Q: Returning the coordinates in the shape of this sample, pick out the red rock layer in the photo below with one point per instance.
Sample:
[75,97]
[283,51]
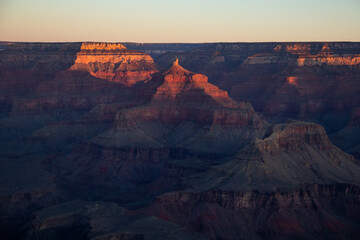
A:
[302,54]
[180,85]
[114,62]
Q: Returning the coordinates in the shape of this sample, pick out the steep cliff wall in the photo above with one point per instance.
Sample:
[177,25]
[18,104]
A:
[114,62]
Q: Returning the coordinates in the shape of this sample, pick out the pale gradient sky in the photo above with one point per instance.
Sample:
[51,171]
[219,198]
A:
[179,21]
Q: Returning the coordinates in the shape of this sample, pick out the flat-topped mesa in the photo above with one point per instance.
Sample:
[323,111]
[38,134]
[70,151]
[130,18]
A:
[180,85]
[293,135]
[306,54]
[113,62]
[102,46]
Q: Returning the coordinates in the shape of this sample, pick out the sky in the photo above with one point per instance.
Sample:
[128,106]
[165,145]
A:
[179,21]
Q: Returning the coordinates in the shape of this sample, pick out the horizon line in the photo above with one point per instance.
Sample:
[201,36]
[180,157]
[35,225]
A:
[327,41]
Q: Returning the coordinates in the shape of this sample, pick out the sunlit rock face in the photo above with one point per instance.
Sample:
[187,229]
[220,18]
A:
[292,80]
[304,54]
[179,84]
[313,60]
[102,47]
[327,57]
[114,62]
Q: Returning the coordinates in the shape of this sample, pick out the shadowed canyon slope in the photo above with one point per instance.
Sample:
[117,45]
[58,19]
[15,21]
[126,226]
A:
[161,141]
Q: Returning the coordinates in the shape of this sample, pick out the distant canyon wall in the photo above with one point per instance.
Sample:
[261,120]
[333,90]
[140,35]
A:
[109,61]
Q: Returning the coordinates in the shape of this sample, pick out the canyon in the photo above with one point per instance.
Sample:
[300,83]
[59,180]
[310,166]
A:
[180,141]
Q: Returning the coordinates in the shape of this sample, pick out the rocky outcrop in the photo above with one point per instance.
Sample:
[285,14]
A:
[317,60]
[254,215]
[180,84]
[304,54]
[44,78]
[59,67]
[114,62]
[294,135]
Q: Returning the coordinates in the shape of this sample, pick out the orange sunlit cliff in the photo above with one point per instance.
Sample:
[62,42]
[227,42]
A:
[114,63]
[176,81]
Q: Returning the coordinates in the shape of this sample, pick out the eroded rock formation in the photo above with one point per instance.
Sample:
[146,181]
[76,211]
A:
[114,62]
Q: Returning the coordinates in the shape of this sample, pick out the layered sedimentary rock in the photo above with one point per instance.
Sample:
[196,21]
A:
[213,149]
[39,87]
[114,62]
[287,156]
[309,212]
[26,67]
[44,57]
[179,84]
[305,55]
[42,108]
[293,135]
[178,95]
